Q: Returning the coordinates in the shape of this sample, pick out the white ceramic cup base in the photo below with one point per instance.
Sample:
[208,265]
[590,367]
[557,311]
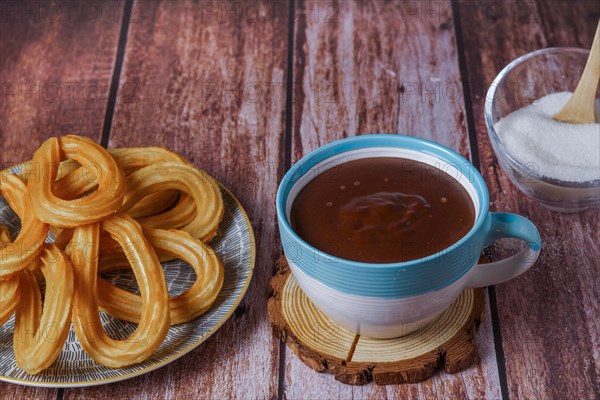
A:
[392,300]
[374,317]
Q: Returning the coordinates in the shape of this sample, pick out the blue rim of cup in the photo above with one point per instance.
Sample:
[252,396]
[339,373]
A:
[436,150]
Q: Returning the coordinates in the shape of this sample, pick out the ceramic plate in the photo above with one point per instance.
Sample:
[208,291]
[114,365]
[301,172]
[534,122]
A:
[74,368]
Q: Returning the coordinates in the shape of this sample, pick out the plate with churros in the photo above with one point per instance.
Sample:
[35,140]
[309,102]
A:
[113,263]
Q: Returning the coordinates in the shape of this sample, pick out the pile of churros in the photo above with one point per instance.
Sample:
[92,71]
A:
[106,210]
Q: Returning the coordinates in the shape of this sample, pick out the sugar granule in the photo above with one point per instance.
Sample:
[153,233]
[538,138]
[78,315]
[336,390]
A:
[568,152]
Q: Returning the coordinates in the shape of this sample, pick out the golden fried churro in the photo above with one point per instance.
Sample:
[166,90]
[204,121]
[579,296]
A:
[155,321]
[40,333]
[190,304]
[203,189]
[29,242]
[9,298]
[65,167]
[182,214]
[77,183]
[100,204]
[9,293]
[112,257]
[5,236]
[87,198]
[154,204]
[63,238]
[133,158]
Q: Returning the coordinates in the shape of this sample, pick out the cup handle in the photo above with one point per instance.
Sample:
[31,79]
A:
[507,225]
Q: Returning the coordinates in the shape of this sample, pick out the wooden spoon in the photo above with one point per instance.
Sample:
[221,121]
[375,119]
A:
[580,107]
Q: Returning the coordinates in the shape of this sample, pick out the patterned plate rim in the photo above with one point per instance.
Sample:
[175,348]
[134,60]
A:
[174,357]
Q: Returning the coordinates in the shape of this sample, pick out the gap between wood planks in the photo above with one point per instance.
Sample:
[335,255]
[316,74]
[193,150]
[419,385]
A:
[112,95]
[474,150]
[116,76]
[114,87]
[287,156]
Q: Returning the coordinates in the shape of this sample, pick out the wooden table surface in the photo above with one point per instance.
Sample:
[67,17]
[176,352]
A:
[246,88]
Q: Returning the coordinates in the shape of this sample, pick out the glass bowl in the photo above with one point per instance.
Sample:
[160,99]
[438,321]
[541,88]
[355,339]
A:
[519,84]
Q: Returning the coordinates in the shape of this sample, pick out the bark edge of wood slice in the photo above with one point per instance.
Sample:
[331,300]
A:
[324,346]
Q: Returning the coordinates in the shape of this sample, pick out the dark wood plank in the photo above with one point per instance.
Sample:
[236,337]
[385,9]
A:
[549,317]
[211,87]
[381,67]
[56,62]
[55,74]
[12,391]
[376,67]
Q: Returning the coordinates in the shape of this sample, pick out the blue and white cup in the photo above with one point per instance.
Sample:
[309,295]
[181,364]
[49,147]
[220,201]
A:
[391,300]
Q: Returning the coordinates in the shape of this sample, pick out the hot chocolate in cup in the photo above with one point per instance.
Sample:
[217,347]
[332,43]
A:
[387,294]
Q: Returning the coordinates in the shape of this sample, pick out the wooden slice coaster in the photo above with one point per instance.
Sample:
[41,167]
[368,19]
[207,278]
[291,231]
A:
[326,347]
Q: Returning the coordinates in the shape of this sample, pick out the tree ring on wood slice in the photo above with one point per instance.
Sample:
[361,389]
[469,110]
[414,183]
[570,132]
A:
[326,347]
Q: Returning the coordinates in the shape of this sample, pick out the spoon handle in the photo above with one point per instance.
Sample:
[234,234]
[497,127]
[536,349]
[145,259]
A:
[580,107]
